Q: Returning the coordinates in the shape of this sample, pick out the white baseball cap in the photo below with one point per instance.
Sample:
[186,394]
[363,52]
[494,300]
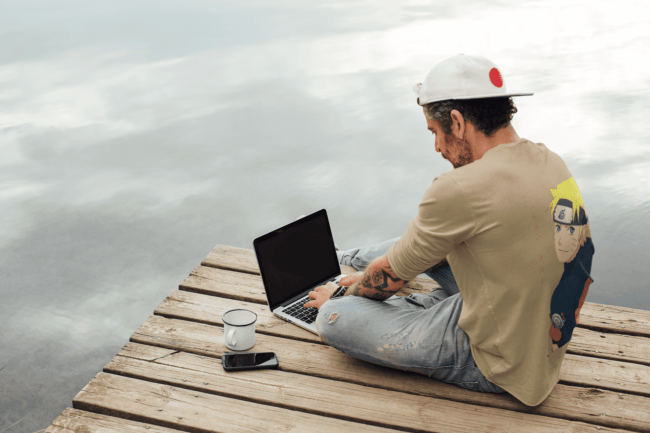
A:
[463,77]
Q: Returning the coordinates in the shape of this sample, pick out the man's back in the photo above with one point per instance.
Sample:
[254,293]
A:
[498,222]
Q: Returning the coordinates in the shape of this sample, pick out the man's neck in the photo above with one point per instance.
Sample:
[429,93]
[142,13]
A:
[482,143]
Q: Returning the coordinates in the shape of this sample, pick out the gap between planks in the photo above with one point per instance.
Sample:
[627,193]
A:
[196,411]
[331,398]
[80,421]
[581,370]
[599,317]
[324,361]
[201,301]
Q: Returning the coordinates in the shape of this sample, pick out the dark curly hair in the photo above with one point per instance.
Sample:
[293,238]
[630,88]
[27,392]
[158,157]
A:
[488,115]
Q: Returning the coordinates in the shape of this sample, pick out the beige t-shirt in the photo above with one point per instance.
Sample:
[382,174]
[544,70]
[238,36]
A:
[511,226]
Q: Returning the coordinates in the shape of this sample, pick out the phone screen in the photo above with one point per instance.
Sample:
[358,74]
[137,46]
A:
[249,359]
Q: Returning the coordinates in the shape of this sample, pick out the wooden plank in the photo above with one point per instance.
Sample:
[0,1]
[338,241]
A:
[567,402]
[248,287]
[195,411]
[324,361]
[225,284]
[208,309]
[233,259]
[607,318]
[334,398]
[588,371]
[79,421]
[598,317]
[611,346]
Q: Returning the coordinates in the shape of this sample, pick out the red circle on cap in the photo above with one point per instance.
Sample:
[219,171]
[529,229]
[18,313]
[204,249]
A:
[495,77]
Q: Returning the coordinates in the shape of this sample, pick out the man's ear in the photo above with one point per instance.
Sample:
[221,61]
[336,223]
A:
[457,124]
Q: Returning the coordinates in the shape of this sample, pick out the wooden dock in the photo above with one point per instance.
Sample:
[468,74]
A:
[169,378]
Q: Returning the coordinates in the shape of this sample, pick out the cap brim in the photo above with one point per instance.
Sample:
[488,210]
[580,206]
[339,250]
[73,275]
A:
[502,95]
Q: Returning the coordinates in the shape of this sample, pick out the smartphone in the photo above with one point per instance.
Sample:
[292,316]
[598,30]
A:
[249,361]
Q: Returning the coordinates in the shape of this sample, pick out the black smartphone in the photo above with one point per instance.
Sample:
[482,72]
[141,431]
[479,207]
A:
[249,361]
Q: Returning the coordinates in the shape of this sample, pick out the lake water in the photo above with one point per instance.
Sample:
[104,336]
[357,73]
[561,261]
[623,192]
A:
[137,135]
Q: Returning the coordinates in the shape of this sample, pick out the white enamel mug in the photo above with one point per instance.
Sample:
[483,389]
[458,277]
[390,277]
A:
[239,329]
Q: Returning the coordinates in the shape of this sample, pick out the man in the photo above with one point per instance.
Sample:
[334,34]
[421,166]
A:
[487,328]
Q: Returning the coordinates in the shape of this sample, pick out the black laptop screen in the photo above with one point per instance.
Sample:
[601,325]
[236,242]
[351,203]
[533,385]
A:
[297,257]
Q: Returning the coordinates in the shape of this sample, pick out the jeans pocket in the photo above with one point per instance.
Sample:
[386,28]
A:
[421,300]
[439,295]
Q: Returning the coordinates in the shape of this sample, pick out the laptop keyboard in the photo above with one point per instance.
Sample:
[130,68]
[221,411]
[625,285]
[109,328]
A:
[297,310]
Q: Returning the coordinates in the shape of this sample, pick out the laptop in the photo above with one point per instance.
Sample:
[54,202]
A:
[294,260]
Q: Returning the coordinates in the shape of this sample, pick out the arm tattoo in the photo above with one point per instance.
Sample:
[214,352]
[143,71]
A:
[378,282]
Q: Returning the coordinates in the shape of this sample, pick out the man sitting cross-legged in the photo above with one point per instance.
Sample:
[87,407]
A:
[495,217]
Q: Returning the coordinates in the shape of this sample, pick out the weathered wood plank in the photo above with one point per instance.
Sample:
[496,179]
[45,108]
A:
[327,362]
[233,259]
[608,318]
[248,287]
[588,371]
[79,421]
[389,409]
[208,309]
[593,316]
[611,346]
[195,411]
[225,284]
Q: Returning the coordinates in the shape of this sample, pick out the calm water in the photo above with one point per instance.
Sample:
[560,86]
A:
[137,135]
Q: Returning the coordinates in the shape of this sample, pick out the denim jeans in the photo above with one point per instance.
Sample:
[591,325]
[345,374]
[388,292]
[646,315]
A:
[417,333]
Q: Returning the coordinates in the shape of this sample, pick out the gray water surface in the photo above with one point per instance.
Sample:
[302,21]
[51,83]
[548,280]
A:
[137,135]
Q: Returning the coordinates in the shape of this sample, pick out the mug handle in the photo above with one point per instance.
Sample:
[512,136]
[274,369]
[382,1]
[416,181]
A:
[230,338]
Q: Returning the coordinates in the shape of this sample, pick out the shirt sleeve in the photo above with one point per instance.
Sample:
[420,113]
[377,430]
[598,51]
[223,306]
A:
[444,220]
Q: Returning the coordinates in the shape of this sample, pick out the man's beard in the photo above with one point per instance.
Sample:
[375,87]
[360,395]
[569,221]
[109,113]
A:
[462,148]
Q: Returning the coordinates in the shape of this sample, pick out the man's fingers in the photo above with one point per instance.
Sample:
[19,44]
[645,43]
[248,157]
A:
[319,295]
[345,281]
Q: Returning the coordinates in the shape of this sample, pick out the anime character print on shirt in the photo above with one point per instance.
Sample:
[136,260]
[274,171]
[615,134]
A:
[575,249]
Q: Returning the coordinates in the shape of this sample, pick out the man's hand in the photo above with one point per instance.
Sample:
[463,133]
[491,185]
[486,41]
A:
[320,295]
[350,279]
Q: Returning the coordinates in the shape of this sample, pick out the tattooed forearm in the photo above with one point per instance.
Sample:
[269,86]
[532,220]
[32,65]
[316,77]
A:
[378,282]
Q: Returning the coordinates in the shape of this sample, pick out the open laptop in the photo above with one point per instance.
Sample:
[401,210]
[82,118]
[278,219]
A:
[294,260]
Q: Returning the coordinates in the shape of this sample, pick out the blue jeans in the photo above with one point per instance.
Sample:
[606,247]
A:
[418,333]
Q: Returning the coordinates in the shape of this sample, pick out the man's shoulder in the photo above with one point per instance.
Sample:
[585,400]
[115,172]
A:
[507,167]
[445,181]
[504,158]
